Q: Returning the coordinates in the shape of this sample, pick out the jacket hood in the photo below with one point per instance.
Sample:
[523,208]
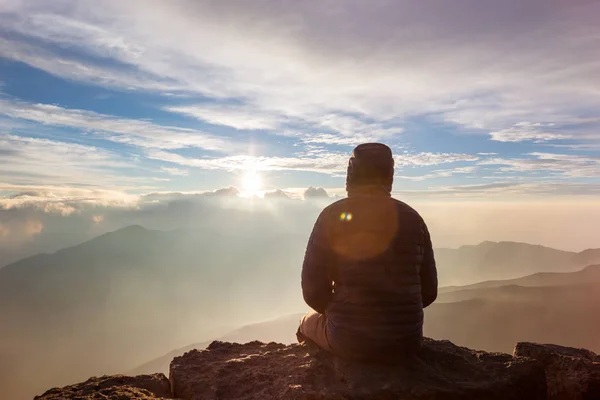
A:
[370,165]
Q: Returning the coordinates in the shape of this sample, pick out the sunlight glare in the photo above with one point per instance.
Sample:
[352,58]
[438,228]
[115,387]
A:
[251,182]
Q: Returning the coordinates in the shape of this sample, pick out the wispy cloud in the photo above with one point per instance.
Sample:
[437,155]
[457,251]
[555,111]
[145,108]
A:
[334,75]
[440,173]
[331,128]
[560,165]
[509,190]
[123,130]
[175,171]
[233,116]
[62,199]
[382,62]
[328,163]
[526,131]
[35,160]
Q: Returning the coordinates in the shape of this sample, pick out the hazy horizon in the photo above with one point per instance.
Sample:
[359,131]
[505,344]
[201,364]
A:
[31,227]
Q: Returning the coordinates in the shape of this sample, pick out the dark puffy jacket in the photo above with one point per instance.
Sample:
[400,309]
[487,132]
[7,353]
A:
[369,267]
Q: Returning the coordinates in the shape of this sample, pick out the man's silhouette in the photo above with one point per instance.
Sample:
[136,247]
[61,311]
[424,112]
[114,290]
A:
[369,268]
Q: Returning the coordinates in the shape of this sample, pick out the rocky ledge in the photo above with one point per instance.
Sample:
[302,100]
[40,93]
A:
[442,370]
[116,387]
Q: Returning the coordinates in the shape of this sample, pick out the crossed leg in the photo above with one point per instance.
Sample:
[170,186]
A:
[313,327]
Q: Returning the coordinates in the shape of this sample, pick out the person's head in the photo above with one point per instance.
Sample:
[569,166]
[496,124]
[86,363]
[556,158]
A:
[371,164]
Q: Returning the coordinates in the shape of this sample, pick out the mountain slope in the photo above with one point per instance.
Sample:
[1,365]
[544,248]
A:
[506,260]
[589,274]
[100,297]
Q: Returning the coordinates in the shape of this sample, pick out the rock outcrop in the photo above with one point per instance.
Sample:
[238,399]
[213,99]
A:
[117,387]
[274,371]
[571,374]
[441,370]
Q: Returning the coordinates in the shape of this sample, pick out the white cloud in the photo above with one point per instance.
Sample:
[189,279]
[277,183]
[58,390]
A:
[175,171]
[320,73]
[276,194]
[561,165]
[62,199]
[123,130]
[526,131]
[235,117]
[332,128]
[328,163]
[386,61]
[510,190]
[34,160]
[79,70]
[427,159]
[440,173]
[349,131]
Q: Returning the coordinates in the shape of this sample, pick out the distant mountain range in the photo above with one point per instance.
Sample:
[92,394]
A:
[589,274]
[506,260]
[118,300]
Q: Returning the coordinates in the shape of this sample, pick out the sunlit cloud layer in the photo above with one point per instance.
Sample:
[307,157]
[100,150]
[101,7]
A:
[144,96]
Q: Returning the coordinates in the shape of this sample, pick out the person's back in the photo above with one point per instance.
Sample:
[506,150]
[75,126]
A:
[369,268]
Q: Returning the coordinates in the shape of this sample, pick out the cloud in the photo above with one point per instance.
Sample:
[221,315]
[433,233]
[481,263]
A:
[347,130]
[276,194]
[328,163]
[12,231]
[445,173]
[175,171]
[382,62]
[29,160]
[332,76]
[427,159]
[526,131]
[70,68]
[315,193]
[323,162]
[235,117]
[507,191]
[332,128]
[122,130]
[560,165]
[224,192]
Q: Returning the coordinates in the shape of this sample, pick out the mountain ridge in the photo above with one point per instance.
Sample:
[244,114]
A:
[137,229]
[537,279]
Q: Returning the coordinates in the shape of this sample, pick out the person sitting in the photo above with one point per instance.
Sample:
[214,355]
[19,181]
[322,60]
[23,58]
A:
[369,267]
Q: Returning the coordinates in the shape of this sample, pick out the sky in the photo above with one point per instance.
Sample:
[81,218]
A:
[107,102]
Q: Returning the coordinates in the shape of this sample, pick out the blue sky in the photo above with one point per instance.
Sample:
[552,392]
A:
[109,100]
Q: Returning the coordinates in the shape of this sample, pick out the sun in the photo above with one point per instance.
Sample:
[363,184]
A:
[251,182]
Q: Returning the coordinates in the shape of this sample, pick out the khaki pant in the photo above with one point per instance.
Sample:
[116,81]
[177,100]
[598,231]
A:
[313,327]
